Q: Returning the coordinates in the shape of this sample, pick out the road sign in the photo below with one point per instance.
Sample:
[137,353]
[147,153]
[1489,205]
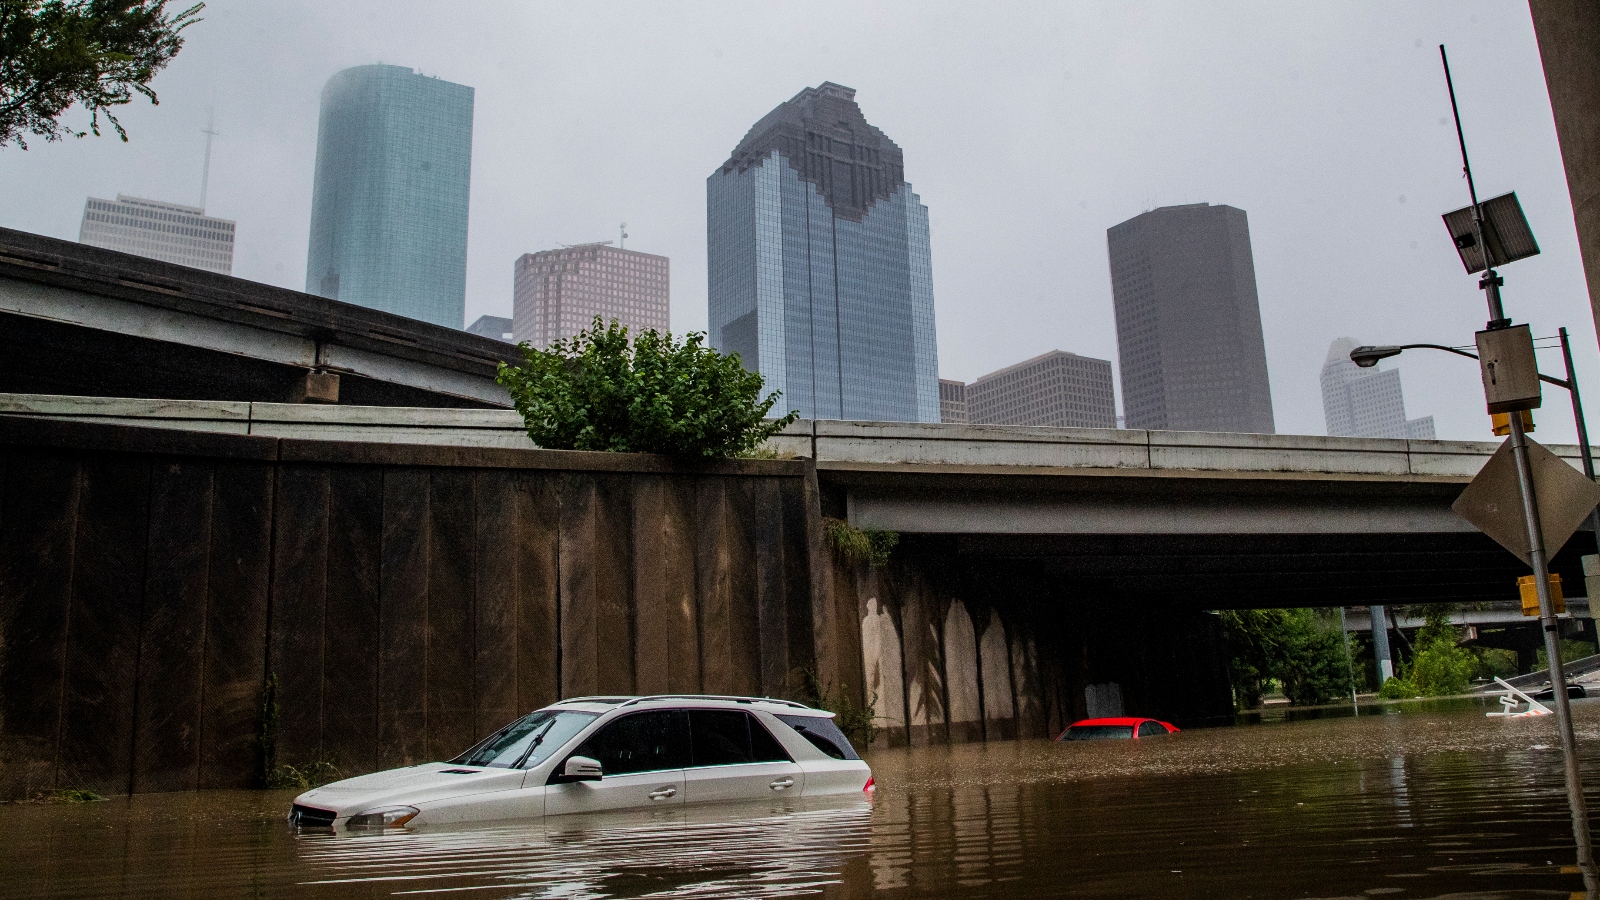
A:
[1493,504]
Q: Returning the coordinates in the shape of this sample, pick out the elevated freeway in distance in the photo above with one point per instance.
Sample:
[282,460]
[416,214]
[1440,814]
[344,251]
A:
[1142,518]
[1190,519]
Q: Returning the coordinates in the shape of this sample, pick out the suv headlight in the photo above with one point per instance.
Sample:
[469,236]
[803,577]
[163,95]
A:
[386,817]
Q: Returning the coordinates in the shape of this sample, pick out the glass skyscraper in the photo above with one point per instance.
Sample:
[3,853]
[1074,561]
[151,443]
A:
[820,272]
[389,206]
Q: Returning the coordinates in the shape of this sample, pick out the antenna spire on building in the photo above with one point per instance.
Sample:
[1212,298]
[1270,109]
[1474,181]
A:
[622,243]
[210,132]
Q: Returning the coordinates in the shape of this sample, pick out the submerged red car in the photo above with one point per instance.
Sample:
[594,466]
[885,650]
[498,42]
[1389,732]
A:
[1116,729]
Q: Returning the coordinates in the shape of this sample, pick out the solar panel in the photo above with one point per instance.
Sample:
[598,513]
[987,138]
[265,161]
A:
[1505,230]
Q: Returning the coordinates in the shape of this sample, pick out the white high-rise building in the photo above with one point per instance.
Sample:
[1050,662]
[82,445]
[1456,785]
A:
[166,231]
[1359,402]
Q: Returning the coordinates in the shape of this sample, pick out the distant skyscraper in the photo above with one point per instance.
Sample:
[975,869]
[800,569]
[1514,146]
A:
[1188,322]
[1058,389]
[1361,402]
[497,327]
[952,402]
[166,231]
[820,272]
[559,292]
[389,207]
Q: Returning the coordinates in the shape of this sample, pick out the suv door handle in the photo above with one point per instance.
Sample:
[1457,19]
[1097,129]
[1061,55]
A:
[664,793]
[782,783]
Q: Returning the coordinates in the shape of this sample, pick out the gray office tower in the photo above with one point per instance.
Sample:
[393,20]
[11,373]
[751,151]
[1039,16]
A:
[820,275]
[1057,389]
[1359,402]
[389,206]
[1188,322]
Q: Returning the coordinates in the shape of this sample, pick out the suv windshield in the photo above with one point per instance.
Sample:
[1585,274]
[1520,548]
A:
[528,741]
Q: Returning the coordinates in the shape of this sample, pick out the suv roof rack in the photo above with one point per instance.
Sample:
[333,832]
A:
[789,703]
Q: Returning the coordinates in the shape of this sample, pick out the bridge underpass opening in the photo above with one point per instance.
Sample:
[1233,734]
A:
[984,637]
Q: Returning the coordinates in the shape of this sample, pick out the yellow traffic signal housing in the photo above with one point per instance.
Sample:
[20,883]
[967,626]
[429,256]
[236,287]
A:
[1530,595]
[1502,422]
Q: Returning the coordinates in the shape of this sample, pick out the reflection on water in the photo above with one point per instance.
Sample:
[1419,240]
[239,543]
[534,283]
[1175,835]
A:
[1427,803]
[750,852]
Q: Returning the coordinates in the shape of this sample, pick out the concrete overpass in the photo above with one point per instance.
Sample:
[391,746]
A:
[1187,519]
[81,320]
[1146,518]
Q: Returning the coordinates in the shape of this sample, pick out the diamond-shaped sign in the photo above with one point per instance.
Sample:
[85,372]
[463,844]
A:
[1493,503]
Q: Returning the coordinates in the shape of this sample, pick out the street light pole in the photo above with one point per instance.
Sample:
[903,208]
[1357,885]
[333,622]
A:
[1490,284]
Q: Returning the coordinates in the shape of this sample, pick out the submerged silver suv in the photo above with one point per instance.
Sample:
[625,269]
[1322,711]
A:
[594,754]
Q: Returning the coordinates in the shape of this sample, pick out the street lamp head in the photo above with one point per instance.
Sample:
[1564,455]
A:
[1367,357]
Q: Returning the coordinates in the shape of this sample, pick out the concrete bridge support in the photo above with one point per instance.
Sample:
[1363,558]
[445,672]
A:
[968,651]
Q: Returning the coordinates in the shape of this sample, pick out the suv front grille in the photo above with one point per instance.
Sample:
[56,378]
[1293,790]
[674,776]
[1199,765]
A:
[311,817]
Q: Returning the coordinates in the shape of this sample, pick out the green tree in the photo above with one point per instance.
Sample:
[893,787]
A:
[655,394]
[1438,668]
[1290,646]
[98,53]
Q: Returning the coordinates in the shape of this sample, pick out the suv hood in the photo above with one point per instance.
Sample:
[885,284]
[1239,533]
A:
[409,786]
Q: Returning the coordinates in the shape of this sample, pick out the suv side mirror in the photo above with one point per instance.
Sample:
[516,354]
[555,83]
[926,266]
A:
[582,768]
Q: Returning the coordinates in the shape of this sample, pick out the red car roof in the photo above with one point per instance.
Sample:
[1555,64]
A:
[1129,721]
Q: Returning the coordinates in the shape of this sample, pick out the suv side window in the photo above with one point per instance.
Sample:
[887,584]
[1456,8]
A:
[823,734]
[730,737]
[1151,729]
[641,742]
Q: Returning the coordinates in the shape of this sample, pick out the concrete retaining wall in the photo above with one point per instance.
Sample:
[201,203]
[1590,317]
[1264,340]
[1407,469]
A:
[407,599]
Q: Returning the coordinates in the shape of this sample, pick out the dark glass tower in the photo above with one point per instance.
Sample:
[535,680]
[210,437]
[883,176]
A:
[1188,322]
[389,206]
[820,271]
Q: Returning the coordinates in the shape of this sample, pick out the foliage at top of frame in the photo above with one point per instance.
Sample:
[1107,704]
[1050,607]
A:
[97,53]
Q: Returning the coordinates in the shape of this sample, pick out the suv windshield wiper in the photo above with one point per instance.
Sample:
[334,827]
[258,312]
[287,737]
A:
[538,739]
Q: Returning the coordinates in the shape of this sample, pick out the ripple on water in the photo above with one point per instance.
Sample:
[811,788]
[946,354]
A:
[1425,804]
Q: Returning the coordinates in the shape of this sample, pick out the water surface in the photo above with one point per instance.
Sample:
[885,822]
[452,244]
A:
[1427,802]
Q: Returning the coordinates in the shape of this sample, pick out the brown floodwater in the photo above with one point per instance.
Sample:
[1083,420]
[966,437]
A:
[1427,801]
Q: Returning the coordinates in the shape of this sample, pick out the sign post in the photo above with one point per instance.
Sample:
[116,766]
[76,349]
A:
[1510,385]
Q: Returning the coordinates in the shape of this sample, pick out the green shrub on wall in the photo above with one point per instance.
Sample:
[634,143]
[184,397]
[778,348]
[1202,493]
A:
[655,394]
[856,546]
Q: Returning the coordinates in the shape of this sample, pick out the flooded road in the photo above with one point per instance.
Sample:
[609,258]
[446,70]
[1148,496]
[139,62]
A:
[1427,802]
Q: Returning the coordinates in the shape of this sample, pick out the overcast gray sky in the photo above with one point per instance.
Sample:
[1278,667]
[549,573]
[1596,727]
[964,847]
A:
[1028,129]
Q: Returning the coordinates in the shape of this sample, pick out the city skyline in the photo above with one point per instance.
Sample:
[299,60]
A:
[1321,122]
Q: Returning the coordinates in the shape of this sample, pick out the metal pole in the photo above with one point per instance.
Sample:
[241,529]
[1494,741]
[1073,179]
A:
[1490,284]
[209,131]
[1583,430]
[1380,642]
[1349,664]
[1552,648]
